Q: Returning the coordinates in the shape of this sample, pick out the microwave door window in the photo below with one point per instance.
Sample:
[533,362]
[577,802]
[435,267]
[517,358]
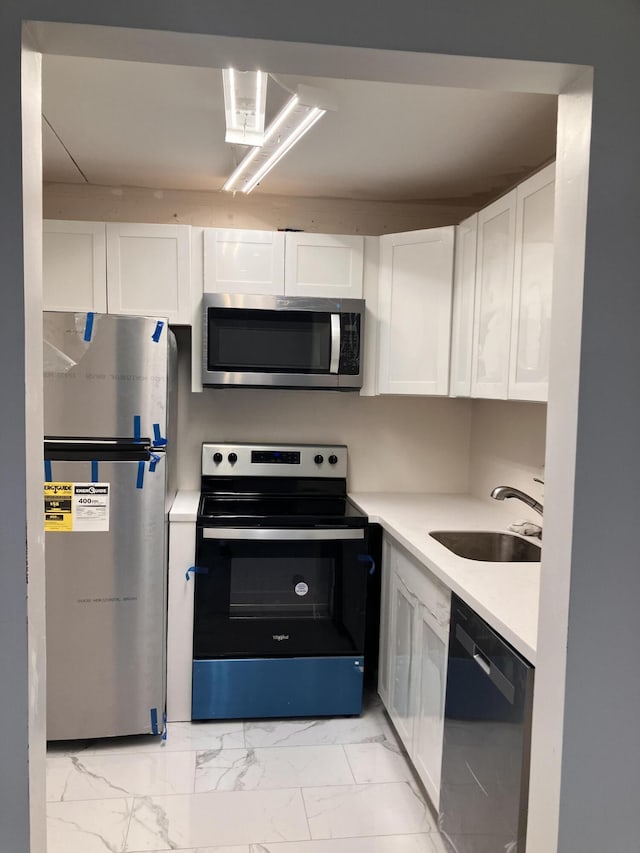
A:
[269,341]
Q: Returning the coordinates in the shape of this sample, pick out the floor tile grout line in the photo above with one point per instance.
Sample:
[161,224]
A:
[129,794]
[346,755]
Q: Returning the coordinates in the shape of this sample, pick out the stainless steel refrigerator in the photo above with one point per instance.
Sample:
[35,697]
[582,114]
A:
[109,412]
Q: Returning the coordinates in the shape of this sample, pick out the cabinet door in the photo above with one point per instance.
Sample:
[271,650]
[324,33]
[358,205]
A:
[148,270]
[533,274]
[243,261]
[464,285]
[385,596]
[494,286]
[401,666]
[323,265]
[429,721]
[74,267]
[416,279]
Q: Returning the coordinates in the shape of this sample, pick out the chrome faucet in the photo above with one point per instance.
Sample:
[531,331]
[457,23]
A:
[502,492]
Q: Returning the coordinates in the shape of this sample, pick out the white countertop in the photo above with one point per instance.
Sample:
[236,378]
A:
[185,506]
[505,594]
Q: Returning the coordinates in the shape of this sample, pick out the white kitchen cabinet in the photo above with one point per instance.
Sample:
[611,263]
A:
[323,265]
[414,311]
[414,636]
[385,605]
[493,298]
[533,275]
[74,269]
[148,270]
[464,284]
[404,612]
[428,734]
[243,261]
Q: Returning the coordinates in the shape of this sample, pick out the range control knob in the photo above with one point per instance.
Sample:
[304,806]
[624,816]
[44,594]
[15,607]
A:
[333,459]
[318,459]
[217,458]
[233,458]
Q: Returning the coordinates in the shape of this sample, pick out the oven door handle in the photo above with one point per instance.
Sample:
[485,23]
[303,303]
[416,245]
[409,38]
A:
[279,533]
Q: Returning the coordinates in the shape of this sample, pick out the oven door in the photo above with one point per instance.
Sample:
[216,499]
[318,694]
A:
[273,592]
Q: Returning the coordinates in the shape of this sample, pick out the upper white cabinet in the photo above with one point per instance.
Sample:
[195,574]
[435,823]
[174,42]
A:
[464,283]
[493,298]
[74,266]
[277,263]
[243,261]
[414,311]
[148,270]
[122,268]
[533,275]
[323,265]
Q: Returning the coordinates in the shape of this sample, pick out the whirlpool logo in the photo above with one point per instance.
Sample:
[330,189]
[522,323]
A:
[280,637]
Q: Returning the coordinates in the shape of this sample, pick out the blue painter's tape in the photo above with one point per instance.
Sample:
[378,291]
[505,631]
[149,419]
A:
[153,461]
[94,471]
[47,471]
[158,440]
[88,328]
[156,335]
[140,480]
[154,720]
[136,427]
[196,570]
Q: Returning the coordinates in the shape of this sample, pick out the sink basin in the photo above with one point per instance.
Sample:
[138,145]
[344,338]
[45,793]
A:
[488,545]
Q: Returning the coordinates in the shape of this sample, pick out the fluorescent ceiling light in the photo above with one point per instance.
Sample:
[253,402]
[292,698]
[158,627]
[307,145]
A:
[245,94]
[298,116]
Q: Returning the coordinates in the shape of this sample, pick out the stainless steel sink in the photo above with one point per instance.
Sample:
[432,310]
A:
[488,545]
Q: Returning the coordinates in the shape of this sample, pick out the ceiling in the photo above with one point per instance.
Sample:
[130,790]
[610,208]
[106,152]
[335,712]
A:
[116,123]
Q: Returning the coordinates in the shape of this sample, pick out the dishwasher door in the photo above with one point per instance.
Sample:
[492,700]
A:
[487,732]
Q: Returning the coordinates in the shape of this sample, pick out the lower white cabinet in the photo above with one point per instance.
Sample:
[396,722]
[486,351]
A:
[429,712]
[414,632]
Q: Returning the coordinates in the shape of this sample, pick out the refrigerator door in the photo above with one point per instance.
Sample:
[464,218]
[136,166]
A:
[106,375]
[106,605]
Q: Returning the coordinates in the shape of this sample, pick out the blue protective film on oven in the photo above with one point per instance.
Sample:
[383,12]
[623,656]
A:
[277,687]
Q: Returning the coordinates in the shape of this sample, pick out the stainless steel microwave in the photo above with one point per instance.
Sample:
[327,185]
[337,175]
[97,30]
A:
[282,341]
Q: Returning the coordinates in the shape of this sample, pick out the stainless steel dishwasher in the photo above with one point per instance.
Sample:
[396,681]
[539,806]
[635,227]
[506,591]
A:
[487,731]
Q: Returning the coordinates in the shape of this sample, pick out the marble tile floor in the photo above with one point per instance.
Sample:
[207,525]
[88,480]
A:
[287,786]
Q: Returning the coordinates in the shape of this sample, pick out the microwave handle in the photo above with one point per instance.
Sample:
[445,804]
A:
[335,343]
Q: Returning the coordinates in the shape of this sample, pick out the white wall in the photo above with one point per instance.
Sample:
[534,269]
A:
[224,210]
[508,449]
[411,444]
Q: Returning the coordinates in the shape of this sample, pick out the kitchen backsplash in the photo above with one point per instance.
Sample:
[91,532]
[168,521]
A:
[507,449]
[410,444]
[396,443]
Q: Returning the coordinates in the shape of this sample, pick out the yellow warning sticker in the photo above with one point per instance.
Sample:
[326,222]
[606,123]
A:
[58,512]
[76,507]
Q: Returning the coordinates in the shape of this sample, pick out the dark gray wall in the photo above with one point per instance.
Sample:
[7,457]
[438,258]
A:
[601,760]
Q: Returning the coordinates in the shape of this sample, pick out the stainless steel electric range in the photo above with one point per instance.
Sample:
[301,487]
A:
[281,575]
